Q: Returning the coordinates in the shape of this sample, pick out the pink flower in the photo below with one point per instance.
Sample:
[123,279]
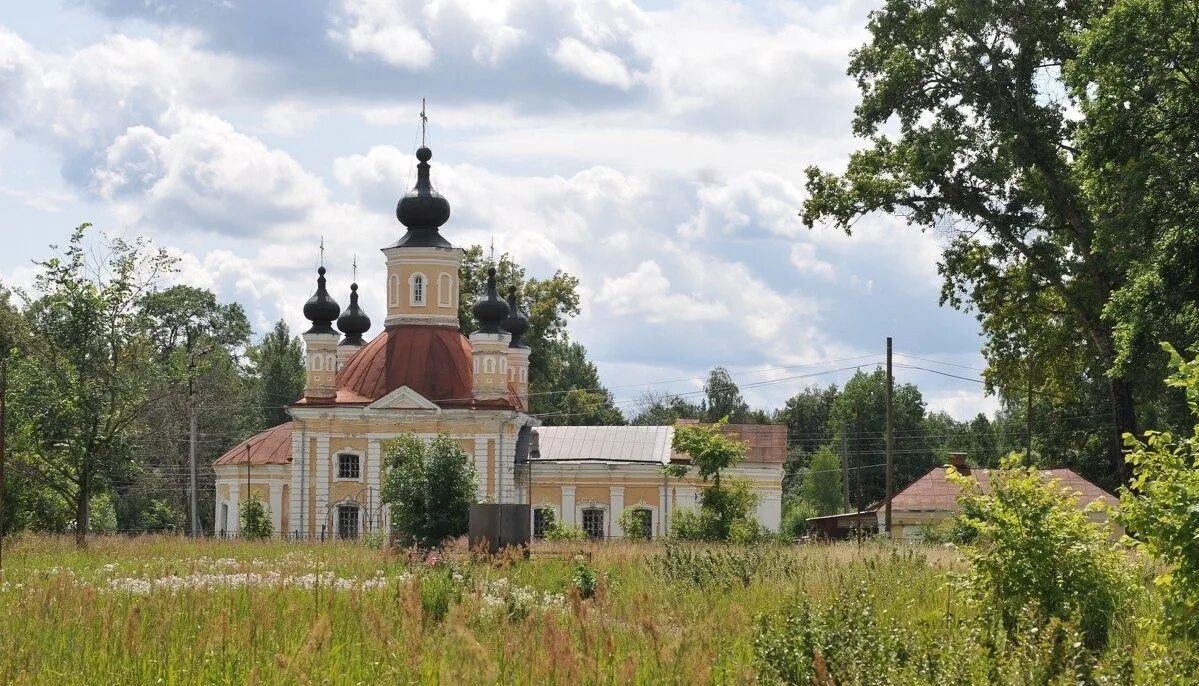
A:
[432,560]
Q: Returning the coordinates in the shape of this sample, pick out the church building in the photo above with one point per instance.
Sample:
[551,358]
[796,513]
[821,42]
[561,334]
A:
[320,473]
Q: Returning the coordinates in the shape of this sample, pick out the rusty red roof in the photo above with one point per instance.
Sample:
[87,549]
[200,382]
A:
[933,493]
[272,446]
[434,361]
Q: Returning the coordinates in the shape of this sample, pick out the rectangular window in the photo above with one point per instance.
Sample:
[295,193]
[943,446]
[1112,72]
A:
[645,522]
[347,466]
[539,522]
[347,521]
[593,523]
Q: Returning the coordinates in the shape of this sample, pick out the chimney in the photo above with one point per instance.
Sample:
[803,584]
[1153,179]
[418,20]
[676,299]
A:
[958,462]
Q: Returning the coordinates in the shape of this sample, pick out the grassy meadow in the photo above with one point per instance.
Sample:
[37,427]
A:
[167,610]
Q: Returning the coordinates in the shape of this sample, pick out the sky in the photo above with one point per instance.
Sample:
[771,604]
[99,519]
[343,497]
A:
[654,149]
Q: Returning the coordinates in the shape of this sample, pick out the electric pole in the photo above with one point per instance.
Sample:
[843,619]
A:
[890,440]
[191,455]
[1028,418]
[845,470]
[3,449]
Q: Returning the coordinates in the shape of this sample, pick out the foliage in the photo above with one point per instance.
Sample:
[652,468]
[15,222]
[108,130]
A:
[1034,547]
[586,579]
[338,613]
[1159,507]
[1051,146]
[724,398]
[278,363]
[438,593]
[81,392]
[376,540]
[859,411]
[564,532]
[631,524]
[710,449]
[724,510]
[822,483]
[795,520]
[429,486]
[255,519]
[665,409]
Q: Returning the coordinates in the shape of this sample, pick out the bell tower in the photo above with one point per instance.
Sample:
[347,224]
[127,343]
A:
[320,342]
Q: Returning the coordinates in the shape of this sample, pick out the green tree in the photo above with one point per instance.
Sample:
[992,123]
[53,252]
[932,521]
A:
[1054,144]
[430,487]
[724,397]
[860,411]
[278,363]
[1159,507]
[574,390]
[665,409]
[822,483]
[199,346]
[725,510]
[255,519]
[83,388]
[806,415]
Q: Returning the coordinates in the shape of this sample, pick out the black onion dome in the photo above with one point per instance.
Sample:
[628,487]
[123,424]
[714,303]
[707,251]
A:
[489,309]
[321,309]
[353,322]
[423,210]
[517,322]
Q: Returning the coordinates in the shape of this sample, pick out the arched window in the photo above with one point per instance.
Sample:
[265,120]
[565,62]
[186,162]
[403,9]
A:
[417,282]
[445,290]
[347,520]
[318,363]
[394,290]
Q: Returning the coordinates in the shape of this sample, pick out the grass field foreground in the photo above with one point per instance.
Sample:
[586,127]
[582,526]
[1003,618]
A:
[167,610]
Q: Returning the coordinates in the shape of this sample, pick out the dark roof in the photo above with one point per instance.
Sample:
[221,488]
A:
[272,446]
[423,210]
[321,309]
[353,322]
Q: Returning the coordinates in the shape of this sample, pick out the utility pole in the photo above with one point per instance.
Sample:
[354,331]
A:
[191,455]
[890,439]
[3,449]
[845,470]
[857,514]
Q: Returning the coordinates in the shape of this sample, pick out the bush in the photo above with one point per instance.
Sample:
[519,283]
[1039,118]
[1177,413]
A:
[1160,511]
[795,521]
[256,519]
[438,591]
[564,532]
[724,513]
[631,524]
[430,487]
[1035,548]
[586,579]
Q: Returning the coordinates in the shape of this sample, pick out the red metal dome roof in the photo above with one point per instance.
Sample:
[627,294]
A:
[272,446]
[434,361]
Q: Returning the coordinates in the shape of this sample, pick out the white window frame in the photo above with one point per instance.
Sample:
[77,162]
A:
[424,290]
[593,505]
[335,468]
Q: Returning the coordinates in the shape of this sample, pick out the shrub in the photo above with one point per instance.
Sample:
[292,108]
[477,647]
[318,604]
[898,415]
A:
[438,591]
[375,540]
[1035,548]
[430,487]
[585,579]
[795,521]
[1160,509]
[564,532]
[631,524]
[256,519]
[724,513]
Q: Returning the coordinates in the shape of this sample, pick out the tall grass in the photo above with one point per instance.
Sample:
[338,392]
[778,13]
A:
[166,610]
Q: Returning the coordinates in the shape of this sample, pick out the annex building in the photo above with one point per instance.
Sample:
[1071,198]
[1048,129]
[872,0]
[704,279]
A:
[320,473]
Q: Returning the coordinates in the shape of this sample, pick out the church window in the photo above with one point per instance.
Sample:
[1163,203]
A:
[418,289]
[394,289]
[643,519]
[593,523]
[348,466]
[488,366]
[347,521]
[318,363]
[539,522]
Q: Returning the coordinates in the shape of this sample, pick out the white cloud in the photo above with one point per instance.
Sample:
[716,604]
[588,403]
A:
[804,259]
[595,64]
[382,29]
[646,291]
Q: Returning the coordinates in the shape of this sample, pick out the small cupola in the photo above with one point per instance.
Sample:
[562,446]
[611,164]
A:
[353,322]
[321,309]
[490,311]
[517,322]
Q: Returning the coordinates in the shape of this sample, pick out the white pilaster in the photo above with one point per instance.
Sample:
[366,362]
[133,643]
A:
[616,503]
[481,468]
[295,493]
[322,486]
[277,505]
[234,508]
[374,475]
[664,512]
[568,505]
